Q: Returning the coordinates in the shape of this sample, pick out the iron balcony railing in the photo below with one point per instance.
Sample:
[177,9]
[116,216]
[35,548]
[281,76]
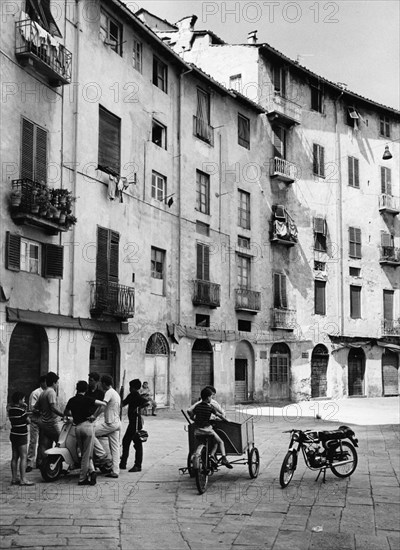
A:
[206,293]
[112,299]
[282,108]
[389,203]
[48,56]
[203,130]
[247,299]
[389,255]
[391,327]
[283,319]
[283,170]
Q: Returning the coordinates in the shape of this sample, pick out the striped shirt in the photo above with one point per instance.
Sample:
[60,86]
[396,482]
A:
[19,420]
[202,413]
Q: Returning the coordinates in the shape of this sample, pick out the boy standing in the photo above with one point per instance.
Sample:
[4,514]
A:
[19,438]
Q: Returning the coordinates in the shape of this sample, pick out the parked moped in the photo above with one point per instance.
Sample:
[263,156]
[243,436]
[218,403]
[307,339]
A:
[65,456]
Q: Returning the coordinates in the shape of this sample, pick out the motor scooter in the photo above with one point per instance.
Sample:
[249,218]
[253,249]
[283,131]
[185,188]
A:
[65,456]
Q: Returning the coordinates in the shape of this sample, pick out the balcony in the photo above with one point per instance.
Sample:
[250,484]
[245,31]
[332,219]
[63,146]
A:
[203,130]
[389,255]
[37,205]
[283,319]
[108,298]
[206,293]
[283,228]
[283,111]
[388,204]
[282,170]
[37,49]
[391,327]
[247,300]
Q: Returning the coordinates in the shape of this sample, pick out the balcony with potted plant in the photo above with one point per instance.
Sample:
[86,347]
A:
[37,205]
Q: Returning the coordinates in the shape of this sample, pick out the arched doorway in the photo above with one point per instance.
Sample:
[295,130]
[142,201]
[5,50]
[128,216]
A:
[279,368]
[244,369]
[28,358]
[202,367]
[356,371]
[319,367]
[156,367]
[104,353]
[390,373]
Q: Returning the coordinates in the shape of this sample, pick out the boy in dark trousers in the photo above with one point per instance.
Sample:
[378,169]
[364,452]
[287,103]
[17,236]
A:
[135,403]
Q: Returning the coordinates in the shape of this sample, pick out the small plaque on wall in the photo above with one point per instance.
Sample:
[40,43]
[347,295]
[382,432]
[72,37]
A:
[304,355]
[217,347]
[263,354]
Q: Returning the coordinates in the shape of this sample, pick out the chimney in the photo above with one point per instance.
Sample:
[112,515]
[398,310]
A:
[252,37]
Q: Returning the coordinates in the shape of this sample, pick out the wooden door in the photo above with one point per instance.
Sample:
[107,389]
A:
[390,374]
[202,367]
[241,392]
[279,372]
[356,370]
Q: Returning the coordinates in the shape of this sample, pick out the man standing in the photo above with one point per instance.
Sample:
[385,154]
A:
[49,424]
[135,403]
[94,391]
[111,426]
[33,427]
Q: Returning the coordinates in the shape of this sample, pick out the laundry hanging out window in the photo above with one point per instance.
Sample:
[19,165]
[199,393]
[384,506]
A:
[39,11]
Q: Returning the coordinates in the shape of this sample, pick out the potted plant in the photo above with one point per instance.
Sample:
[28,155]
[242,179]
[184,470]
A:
[70,220]
[43,200]
[16,197]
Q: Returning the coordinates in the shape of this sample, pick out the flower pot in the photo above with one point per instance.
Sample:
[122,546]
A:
[61,219]
[35,208]
[16,200]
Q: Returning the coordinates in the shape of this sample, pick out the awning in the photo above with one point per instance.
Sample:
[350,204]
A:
[15,315]
[392,347]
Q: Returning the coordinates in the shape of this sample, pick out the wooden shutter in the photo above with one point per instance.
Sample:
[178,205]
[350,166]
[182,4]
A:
[356,173]
[351,171]
[109,140]
[388,305]
[319,297]
[203,262]
[320,226]
[13,251]
[386,239]
[315,158]
[279,142]
[41,156]
[280,295]
[102,255]
[355,302]
[27,149]
[53,261]
[321,161]
[114,257]
[355,242]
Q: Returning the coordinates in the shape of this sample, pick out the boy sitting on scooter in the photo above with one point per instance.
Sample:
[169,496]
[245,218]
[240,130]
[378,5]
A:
[201,414]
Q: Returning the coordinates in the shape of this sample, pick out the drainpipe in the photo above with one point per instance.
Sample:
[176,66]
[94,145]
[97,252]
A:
[340,220]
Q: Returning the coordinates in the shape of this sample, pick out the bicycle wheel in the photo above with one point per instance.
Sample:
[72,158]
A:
[288,468]
[190,465]
[346,451]
[254,462]
[201,473]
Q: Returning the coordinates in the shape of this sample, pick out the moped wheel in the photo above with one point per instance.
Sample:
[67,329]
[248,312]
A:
[288,468]
[189,465]
[254,462]
[51,467]
[201,473]
[347,452]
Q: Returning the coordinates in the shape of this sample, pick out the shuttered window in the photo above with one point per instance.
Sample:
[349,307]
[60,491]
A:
[243,271]
[354,242]
[318,160]
[157,263]
[386,181]
[319,297]
[202,192]
[13,253]
[384,126]
[158,186]
[353,169]
[203,262]
[316,98]
[53,261]
[243,131]
[320,234]
[107,259]
[355,302]
[279,136]
[280,81]
[33,152]
[280,294]
[244,210]
[33,257]
[388,305]
[109,141]
[386,239]
[160,74]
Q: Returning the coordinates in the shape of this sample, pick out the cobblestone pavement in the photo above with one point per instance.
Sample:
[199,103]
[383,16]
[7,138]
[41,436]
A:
[160,508]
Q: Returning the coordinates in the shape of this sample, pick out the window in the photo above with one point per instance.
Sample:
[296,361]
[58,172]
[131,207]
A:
[202,192]
[352,117]
[319,297]
[319,266]
[384,126]
[318,160]
[107,258]
[202,262]
[202,127]
[243,242]
[316,98]
[387,240]
[355,302]
[279,77]
[159,134]
[355,271]
[354,180]
[33,152]
[388,305]
[157,263]
[280,294]
[386,181]
[202,320]
[109,141]
[320,234]
[137,55]
[244,210]
[34,257]
[158,186]
[244,326]
[160,74]
[243,131]
[235,82]
[354,242]
[243,271]
[111,32]
[279,137]
[202,228]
